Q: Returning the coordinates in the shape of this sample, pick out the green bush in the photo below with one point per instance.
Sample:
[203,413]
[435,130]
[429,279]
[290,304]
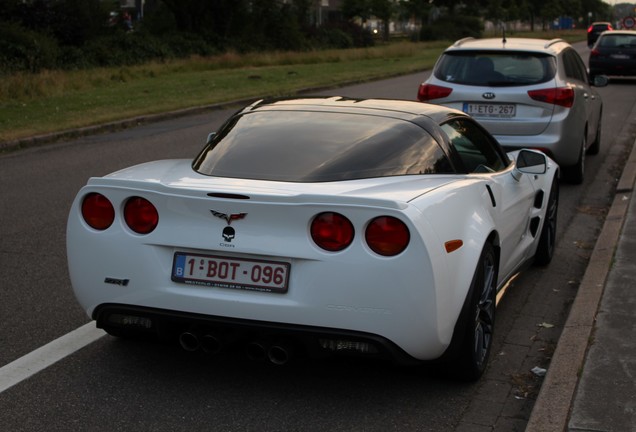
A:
[23,49]
[342,34]
[126,49]
[182,45]
[26,50]
[333,38]
[71,57]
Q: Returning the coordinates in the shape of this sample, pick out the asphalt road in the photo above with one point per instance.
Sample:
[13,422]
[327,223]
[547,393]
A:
[119,385]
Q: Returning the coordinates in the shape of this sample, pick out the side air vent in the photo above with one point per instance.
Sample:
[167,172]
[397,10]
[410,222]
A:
[534,225]
[492,196]
[538,199]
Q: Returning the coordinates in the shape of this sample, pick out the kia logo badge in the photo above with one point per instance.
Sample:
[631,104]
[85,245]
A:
[488,95]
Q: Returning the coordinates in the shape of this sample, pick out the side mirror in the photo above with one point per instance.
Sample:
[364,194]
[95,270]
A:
[529,162]
[211,136]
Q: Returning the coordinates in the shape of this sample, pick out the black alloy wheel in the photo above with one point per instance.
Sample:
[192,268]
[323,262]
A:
[574,174]
[467,356]
[547,241]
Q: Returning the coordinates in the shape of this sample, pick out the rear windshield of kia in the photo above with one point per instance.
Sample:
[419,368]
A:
[496,68]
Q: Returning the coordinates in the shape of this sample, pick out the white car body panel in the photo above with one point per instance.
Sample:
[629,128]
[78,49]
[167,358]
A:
[412,299]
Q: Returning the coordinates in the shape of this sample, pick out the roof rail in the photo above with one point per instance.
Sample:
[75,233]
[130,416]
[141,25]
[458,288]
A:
[552,42]
[461,41]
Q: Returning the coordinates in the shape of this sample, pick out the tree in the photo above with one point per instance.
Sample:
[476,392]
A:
[352,9]
[571,8]
[598,10]
[383,10]
[76,22]
[191,15]
[71,22]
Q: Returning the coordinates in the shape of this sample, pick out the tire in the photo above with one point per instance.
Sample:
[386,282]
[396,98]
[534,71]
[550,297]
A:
[574,174]
[596,145]
[547,240]
[467,356]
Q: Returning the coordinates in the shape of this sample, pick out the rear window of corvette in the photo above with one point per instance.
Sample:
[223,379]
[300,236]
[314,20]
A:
[303,146]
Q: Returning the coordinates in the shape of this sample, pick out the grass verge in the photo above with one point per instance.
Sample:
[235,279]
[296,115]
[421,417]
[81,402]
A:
[53,101]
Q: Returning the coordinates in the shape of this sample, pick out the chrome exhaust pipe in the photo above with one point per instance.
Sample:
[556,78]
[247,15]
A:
[189,341]
[279,354]
[256,351]
[211,344]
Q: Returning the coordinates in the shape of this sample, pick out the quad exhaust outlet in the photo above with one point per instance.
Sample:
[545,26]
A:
[278,353]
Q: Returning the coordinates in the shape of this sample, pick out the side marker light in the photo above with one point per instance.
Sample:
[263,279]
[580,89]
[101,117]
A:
[453,245]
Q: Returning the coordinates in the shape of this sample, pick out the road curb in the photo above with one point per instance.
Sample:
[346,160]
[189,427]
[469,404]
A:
[552,409]
[38,140]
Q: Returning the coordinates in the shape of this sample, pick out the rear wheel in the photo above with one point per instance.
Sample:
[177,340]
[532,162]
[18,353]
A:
[468,353]
[547,241]
[596,145]
[574,174]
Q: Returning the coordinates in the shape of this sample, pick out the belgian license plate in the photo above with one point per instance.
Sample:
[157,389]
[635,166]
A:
[619,56]
[490,110]
[224,272]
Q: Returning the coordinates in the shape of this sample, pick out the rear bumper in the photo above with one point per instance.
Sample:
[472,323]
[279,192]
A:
[614,69]
[564,152]
[561,140]
[232,334]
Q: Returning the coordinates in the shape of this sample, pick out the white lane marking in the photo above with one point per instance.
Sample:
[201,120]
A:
[43,357]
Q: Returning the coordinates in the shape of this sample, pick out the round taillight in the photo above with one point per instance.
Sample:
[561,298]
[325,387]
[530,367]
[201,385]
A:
[98,211]
[140,215]
[332,231]
[387,236]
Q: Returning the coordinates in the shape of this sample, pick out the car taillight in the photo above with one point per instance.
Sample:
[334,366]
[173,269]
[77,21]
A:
[563,96]
[387,236]
[140,215]
[429,91]
[98,211]
[332,231]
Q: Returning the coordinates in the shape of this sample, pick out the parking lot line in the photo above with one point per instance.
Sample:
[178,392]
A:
[43,357]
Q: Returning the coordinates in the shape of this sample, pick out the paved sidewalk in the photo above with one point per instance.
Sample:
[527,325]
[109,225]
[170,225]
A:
[591,380]
[606,396]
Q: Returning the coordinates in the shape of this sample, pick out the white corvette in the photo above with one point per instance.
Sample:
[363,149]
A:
[318,226]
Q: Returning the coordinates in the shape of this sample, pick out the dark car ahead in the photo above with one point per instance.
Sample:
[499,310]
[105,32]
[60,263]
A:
[614,54]
[595,30]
